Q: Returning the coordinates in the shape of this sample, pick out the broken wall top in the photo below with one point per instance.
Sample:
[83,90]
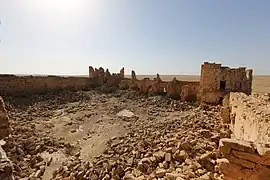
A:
[224,68]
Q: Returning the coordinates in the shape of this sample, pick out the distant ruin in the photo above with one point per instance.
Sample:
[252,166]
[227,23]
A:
[215,82]
[243,135]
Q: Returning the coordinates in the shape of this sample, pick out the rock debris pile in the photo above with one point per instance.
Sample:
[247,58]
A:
[6,167]
[25,143]
[163,138]
[174,149]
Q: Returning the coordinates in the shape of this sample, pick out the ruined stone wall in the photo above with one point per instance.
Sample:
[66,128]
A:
[239,79]
[99,77]
[182,90]
[21,85]
[210,77]
[189,91]
[248,152]
[216,81]
[210,83]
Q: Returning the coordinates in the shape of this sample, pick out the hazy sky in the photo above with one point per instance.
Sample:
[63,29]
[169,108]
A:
[149,36]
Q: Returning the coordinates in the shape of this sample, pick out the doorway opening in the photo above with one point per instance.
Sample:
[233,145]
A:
[222,85]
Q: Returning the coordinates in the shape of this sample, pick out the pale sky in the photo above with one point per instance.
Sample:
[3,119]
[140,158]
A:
[149,36]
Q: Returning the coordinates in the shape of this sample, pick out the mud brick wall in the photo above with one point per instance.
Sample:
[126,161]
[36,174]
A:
[248,150]
[19,85]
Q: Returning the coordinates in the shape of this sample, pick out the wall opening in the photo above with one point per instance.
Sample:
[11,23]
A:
[222,85]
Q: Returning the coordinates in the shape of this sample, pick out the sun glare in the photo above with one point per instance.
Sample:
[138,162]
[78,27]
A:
[63,7]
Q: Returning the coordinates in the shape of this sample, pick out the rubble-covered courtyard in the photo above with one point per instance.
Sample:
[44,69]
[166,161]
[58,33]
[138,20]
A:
[121,135]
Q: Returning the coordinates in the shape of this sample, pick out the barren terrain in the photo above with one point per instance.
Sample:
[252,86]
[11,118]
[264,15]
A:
[120,135]
[89,135]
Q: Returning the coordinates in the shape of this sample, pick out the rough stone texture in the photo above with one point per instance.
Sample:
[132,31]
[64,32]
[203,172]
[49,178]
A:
[241,161]
[178,147]
[214,76]
[189,92]
[6,168]
[248,152]
[207,90]
[104,79]
[4,120]
[249,118]
[23,85]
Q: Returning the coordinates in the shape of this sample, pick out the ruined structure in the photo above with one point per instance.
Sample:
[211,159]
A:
[247,154]
[216,81]
[99,77]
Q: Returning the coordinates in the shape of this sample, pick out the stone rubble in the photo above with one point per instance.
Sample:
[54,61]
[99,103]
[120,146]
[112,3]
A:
[6,166]
[4,120]
[182,147]
[25,144]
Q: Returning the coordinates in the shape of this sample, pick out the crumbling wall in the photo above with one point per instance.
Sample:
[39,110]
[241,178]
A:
[216,81]
[242,161]
[22,85]
[237,79]
[208,90]
[248,152]
[210,83]
[189,91]
[6,168]
[99,77]
[182,90]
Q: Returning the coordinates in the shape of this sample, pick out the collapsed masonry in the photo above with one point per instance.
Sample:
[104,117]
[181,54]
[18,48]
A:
[215,82]
[247,153]
[6,168]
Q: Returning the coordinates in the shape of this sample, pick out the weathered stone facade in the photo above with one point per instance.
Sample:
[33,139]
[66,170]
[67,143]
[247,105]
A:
[99,77]
[247,154]
[216,81]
